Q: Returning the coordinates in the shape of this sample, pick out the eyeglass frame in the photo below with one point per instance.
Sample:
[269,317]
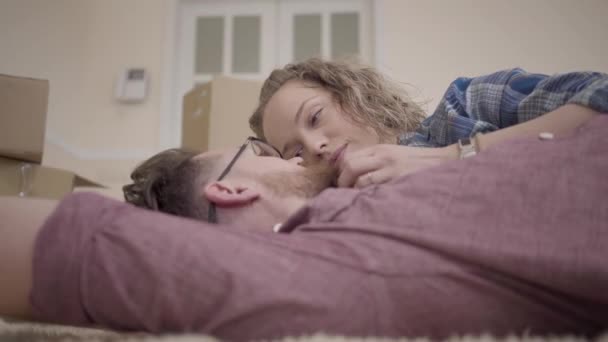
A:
[212,213]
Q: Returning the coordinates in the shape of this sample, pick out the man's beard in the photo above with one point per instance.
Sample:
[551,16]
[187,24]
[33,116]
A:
[306,184]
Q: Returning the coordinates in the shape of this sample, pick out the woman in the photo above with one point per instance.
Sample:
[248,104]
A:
[357,120]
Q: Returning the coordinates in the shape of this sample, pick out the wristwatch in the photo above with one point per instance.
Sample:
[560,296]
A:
[466,148]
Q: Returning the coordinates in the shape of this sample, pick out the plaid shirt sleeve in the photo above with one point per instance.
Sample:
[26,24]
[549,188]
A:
[502,99]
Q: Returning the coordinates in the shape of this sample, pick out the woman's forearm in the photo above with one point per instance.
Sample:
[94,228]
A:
[559,122]
[20,221]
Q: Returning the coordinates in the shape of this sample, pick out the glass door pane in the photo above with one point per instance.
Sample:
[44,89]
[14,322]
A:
[246,44]
[344,34]
[209,45]
[306,36]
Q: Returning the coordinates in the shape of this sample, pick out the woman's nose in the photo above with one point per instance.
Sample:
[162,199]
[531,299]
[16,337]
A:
[321,151]
[318,150]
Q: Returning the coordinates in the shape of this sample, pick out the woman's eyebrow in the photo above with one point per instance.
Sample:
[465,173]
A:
[299,112]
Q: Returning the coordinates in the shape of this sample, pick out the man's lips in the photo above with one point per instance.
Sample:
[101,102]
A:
[337,156]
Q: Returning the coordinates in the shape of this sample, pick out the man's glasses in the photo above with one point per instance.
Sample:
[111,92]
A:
[260,149]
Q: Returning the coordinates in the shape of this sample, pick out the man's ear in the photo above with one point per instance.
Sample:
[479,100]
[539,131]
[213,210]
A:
[229,194]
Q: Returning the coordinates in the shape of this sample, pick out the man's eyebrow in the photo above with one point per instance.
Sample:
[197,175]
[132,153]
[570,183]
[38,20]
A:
[297,119]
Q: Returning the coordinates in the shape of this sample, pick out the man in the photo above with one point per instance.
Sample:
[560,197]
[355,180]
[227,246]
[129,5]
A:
[262,187]
[511,241]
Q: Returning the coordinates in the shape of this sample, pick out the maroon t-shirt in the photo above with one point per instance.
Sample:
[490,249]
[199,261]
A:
[514,240]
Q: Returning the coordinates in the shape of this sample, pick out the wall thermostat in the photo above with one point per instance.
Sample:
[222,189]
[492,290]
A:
[132,85]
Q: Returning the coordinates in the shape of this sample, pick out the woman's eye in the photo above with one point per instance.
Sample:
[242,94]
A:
[315,117]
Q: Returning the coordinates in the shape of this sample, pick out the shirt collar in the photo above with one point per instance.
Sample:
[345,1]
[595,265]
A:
[277,227]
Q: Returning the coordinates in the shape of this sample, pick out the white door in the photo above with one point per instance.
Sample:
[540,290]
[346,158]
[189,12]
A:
[248,38]
[327,29]
[234,38]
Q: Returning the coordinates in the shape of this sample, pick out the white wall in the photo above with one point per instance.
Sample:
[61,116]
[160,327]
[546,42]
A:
[81,46]
[44,39]
[120,34]
[428,43]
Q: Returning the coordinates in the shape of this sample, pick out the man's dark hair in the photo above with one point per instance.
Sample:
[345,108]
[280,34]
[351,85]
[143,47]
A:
[170,182]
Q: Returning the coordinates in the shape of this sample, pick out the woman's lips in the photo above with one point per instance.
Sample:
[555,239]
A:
[337,156]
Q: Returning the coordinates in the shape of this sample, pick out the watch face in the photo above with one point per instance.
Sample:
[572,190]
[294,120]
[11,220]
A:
[466,148]
[464,141]
[468,154]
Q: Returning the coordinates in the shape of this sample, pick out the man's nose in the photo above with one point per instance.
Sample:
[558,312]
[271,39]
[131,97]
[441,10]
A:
[296,160]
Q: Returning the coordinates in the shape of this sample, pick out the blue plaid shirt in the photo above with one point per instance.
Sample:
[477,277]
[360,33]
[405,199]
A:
[505,98]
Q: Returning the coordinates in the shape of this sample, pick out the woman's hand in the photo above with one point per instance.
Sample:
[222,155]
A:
[382,163]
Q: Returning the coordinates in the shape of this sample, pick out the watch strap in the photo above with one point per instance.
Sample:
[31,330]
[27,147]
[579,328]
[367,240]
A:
[466,148]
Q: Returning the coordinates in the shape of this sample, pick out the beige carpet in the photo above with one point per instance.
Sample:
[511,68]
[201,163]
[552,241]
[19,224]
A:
[34,332]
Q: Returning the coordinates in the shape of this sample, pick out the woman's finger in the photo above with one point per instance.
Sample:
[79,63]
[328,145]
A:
[351,168]
[373,177]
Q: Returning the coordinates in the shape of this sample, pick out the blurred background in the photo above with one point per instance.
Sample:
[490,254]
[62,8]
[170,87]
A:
[88,49]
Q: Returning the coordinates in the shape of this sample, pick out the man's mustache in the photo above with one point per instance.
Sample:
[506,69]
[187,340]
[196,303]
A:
[324,171]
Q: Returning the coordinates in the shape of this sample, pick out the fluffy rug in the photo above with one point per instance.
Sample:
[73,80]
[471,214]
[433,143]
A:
[35,332]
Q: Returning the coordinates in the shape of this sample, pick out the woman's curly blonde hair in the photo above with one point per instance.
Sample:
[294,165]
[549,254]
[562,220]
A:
[369,98]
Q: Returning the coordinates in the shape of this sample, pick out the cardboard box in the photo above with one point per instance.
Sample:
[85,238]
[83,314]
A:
[215,114]
[26,179]
[23,105]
